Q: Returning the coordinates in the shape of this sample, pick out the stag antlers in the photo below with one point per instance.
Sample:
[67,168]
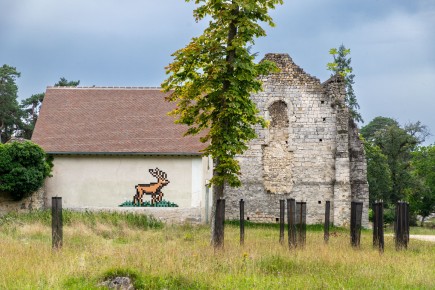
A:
[153,189]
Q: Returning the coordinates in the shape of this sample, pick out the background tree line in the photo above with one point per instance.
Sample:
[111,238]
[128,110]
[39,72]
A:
[23,165]
[19,119]
[399,167]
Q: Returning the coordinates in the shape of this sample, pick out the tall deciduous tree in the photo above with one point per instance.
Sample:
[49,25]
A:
[10,112]
[212,78]
[397,144]
[378,173]
[378,125]
[422,199]
[31,107]
[341,66]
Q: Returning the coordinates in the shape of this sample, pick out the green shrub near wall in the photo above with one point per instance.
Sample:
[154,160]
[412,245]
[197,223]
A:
[23,168]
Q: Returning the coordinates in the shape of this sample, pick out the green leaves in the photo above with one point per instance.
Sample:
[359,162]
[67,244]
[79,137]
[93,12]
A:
[333,51]
[341,66]
[63,82]
[396,167]
[212,78]
[422,199]
[10,112]
[23,168]
[378,173]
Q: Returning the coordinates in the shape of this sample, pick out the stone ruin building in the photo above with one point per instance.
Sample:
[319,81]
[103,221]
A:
[311,150]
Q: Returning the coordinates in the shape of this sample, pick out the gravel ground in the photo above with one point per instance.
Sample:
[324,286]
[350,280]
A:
[429,238]
[423,237]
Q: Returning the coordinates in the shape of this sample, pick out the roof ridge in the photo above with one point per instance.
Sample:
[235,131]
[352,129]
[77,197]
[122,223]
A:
[104,87]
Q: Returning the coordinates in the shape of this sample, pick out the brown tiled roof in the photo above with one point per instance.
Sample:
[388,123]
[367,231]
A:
[110,120]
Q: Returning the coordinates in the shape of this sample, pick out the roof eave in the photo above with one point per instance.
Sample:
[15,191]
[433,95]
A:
[128,153]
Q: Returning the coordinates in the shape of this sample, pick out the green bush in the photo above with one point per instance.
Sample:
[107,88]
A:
[371,215]
[23,168]
[389,215]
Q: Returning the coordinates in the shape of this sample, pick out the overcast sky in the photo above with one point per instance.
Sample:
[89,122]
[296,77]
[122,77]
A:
[129,42]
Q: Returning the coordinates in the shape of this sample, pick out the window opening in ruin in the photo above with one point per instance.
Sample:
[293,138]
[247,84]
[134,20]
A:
[322,102]
[320,140]
[319,202]
[324,119]
[278,114]
[277,159]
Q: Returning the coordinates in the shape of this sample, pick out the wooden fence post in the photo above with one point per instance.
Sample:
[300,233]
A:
[375,224]
[291,220]
[56,222]
[401,225]
[381,226]
[281,220]
[327,218]
[355,223]
[378,225]
[301,208]
[242,222]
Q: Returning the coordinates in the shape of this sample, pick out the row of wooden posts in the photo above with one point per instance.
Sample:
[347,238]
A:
[296,223]
[401,225]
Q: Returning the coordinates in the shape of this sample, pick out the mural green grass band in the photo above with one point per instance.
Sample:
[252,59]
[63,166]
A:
[162,203]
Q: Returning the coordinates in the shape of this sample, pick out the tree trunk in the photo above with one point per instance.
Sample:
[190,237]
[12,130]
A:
[218,190]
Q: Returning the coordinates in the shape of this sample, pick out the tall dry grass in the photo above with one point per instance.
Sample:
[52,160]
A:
[179,257]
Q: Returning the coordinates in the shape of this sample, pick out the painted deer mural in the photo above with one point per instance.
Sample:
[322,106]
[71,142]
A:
[153,188]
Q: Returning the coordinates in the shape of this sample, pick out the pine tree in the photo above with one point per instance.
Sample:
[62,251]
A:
[342,67]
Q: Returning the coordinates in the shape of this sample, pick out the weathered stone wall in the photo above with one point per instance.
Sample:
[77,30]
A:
[277,159]
[342,190]
[34,202]
[302,155]
[358,176]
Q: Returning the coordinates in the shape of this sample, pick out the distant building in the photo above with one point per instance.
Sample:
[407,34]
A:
[105,141]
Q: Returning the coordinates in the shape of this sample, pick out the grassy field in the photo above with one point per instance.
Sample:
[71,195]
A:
[97,246]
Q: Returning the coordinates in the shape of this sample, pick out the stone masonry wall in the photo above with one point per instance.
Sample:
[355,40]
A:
[310,143]
[277,159]
[34,202]
[298,155]
[342,188]
[358,177]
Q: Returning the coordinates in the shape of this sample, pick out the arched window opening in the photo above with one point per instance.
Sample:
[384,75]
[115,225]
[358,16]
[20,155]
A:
[277,159]
[278,115]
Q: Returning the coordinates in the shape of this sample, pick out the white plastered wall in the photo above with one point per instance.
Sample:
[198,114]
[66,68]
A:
[108,181]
